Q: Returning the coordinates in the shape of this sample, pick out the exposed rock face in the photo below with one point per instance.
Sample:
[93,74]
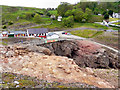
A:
[51,68]
[85,53]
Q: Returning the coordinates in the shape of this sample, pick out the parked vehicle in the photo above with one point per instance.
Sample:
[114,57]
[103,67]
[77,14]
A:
[52,35]
[66,33]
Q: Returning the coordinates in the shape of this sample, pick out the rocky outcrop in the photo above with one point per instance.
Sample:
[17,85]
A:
[51,68]
[85,53]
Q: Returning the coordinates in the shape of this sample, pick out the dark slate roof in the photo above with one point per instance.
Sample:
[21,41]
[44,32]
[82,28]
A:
[37,30]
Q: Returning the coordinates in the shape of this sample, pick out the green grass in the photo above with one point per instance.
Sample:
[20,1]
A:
[53,12]
[86,33]
[89,25]
[3,43]
[117,23]
[113,19]
[55,24]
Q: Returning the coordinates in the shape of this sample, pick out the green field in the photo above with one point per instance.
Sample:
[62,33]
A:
[53,12]
[113,19]
[86,33]
[117,23]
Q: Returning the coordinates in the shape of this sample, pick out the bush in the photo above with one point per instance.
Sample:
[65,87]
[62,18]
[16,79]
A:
[105,12]
[68,22]
[10,23]
[4,27]
[22,16]
[28,16]
[69,13]
[110,12]
[40,13]
[37,18]
[106,16]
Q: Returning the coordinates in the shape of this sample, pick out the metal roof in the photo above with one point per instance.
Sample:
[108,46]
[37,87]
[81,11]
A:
[37,30]
[5,32]
[18,32]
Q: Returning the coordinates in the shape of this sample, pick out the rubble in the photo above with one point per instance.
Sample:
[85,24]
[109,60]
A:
[51,68]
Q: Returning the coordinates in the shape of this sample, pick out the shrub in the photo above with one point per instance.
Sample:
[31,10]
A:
[40,13]
[68,22]
[105,12]
[37,18]
[69,13]
[22,16]
[4,27]
[10,23]
[106,16]
[110,12]
[28,16]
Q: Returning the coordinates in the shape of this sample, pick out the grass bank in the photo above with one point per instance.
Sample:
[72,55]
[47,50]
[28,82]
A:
[86,33]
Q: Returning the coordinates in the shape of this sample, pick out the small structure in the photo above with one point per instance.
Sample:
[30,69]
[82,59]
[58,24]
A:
[116,15]
[14,34]
[11,34]
[52,17]
[5,34]
[37,32]
[59,18]
[19,33]
[99,14]
[104,23]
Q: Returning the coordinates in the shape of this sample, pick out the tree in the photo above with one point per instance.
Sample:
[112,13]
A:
[106,16]
[88,12]
[105,12]
[110,12]
[78,15]
[69,13]
[37,18]
[68,22]
[63,7]
[96,11]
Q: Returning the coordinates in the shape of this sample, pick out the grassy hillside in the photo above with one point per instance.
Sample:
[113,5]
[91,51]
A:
[22,17]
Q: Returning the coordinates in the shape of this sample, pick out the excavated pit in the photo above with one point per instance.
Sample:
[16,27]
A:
[85,53]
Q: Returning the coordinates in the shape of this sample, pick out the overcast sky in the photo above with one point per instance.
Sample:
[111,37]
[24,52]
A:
[36,3]
[42,3]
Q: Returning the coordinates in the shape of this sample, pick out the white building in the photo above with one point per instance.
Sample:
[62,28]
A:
[52,16]
[116,15]
[59,18]
[104,23]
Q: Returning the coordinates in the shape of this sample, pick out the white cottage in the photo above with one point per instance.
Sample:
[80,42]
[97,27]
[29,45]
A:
[116,15]
[59,18]
[52,16]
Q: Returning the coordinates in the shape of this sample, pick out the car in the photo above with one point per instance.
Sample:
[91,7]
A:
[66,33]
[52,35]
